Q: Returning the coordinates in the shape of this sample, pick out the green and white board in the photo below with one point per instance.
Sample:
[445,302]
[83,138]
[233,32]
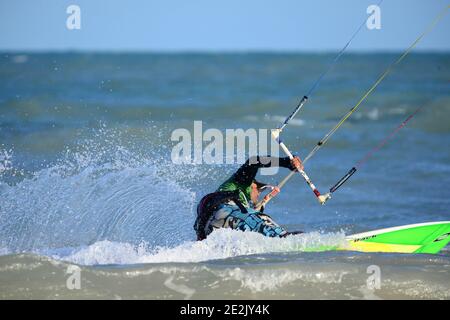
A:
[428,238]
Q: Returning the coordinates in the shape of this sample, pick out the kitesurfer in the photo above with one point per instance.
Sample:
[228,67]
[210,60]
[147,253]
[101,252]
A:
[233,204]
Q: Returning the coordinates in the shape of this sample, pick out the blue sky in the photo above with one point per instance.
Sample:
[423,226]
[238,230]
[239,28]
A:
[213,25]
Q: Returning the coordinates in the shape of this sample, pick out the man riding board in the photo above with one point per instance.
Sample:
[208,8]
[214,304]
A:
[234,204]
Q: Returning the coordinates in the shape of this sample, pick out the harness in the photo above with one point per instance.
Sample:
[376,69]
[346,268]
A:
[209,204]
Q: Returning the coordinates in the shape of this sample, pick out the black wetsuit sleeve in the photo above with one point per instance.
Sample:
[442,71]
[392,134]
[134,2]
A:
[247,172]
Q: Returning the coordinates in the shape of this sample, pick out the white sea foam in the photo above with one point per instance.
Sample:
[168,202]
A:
[221,244]
[96,191]
[273,279]
[5,160]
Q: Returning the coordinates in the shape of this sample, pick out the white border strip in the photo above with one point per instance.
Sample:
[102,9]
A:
[376,232]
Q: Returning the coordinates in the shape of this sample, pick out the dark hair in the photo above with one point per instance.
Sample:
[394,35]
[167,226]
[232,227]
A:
[259,185]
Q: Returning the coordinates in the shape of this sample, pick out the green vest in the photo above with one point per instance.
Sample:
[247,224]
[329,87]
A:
[244,190]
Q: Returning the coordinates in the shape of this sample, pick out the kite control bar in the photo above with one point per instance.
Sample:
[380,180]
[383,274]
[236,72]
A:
[321,198]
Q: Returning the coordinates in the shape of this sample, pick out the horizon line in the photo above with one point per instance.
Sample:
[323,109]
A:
[212,52]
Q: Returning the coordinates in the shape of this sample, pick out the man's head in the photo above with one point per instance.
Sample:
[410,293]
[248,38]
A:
[256,188]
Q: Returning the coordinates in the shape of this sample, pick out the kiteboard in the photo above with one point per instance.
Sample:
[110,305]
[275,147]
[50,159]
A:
[430,237]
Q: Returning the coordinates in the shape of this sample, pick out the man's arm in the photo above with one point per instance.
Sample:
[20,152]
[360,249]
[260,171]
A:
[247,172]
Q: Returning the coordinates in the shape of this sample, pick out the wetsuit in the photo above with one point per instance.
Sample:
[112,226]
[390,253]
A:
[233,208]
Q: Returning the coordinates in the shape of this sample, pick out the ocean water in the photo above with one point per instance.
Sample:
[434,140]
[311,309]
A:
[87,179]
